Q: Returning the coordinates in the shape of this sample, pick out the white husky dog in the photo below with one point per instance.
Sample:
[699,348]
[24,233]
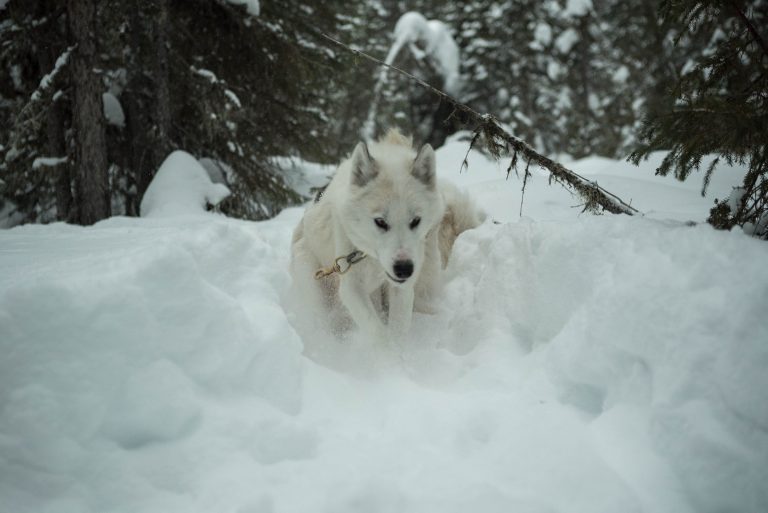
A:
[386,220]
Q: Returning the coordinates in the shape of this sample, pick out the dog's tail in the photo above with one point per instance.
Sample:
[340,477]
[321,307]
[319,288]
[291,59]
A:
[394,136]
[461,214]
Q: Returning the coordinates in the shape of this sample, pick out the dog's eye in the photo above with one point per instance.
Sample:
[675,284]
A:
[381,223]
[415,222]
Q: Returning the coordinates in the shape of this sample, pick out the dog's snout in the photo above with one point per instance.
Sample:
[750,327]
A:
[403,268]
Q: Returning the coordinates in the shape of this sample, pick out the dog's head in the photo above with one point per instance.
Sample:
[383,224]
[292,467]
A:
[392,205]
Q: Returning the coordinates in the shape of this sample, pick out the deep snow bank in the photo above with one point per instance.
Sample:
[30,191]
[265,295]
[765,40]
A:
[577,363]
[660,349]
[116,341]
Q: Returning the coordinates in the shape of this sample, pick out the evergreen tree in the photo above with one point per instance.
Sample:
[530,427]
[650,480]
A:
[34,168]
[206,76]
[721,106]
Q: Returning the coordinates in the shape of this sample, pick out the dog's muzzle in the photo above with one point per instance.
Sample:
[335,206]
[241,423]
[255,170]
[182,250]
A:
[396,280]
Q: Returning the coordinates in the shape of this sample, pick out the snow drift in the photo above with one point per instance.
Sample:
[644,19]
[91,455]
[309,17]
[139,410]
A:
[577,363]
[181,186]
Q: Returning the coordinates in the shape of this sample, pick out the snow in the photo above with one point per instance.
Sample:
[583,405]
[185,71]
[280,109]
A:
[218,171]
[252,7]
[566,40]
[233,98]
[543,33]
[18,83]
[577,7]
[113,111]
[689,66]
[413,27]
[205,73]
[48,78]
[48,162]
[181,187]
[436,42]
[734,199]
[554,70]
[576,363]
[304,177]
[620,75]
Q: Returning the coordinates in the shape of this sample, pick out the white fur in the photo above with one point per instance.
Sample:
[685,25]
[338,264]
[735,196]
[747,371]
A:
[385,179]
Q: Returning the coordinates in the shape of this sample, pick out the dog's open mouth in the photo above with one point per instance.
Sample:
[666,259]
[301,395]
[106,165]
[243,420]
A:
[396,280]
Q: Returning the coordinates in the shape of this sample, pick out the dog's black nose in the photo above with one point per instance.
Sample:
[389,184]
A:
[403,268]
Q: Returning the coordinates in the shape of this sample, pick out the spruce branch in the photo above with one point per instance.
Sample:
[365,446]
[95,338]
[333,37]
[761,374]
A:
[525,182]
[31,116]
[750,27]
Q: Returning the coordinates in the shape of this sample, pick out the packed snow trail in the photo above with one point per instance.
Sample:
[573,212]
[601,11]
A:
[577,363]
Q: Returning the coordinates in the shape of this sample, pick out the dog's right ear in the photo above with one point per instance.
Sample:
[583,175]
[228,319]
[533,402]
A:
[363,166]
[424,166]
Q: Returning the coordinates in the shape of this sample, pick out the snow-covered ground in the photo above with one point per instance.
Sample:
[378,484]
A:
[578,364]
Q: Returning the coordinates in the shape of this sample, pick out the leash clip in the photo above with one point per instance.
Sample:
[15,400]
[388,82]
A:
[341,265]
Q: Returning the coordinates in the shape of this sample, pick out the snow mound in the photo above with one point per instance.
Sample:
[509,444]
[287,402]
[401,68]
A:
[181,186]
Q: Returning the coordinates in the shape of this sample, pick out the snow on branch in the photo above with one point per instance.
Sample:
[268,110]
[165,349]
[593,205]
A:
[252,7]
[498,141]
[48,162]
[205,73]
[31,116]
[437,45]
[231,98]
[47,80]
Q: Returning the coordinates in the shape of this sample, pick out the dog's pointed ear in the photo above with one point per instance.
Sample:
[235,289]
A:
[424,166]
[363,166]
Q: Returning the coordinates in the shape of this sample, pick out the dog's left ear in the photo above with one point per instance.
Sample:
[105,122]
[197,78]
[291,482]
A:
[363,166]
[424,166]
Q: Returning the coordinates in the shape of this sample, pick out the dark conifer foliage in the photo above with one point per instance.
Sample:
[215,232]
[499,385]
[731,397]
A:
[35,111]
[571,78]
[199,75]
[721,106]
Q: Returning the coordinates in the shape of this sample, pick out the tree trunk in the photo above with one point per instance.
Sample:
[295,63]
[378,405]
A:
[162,92]
[137,110]
[148,95]
[51,41]
[91,173]
[57,147]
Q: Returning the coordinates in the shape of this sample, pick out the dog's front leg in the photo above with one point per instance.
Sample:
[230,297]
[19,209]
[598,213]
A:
[357,301]
[400,311]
